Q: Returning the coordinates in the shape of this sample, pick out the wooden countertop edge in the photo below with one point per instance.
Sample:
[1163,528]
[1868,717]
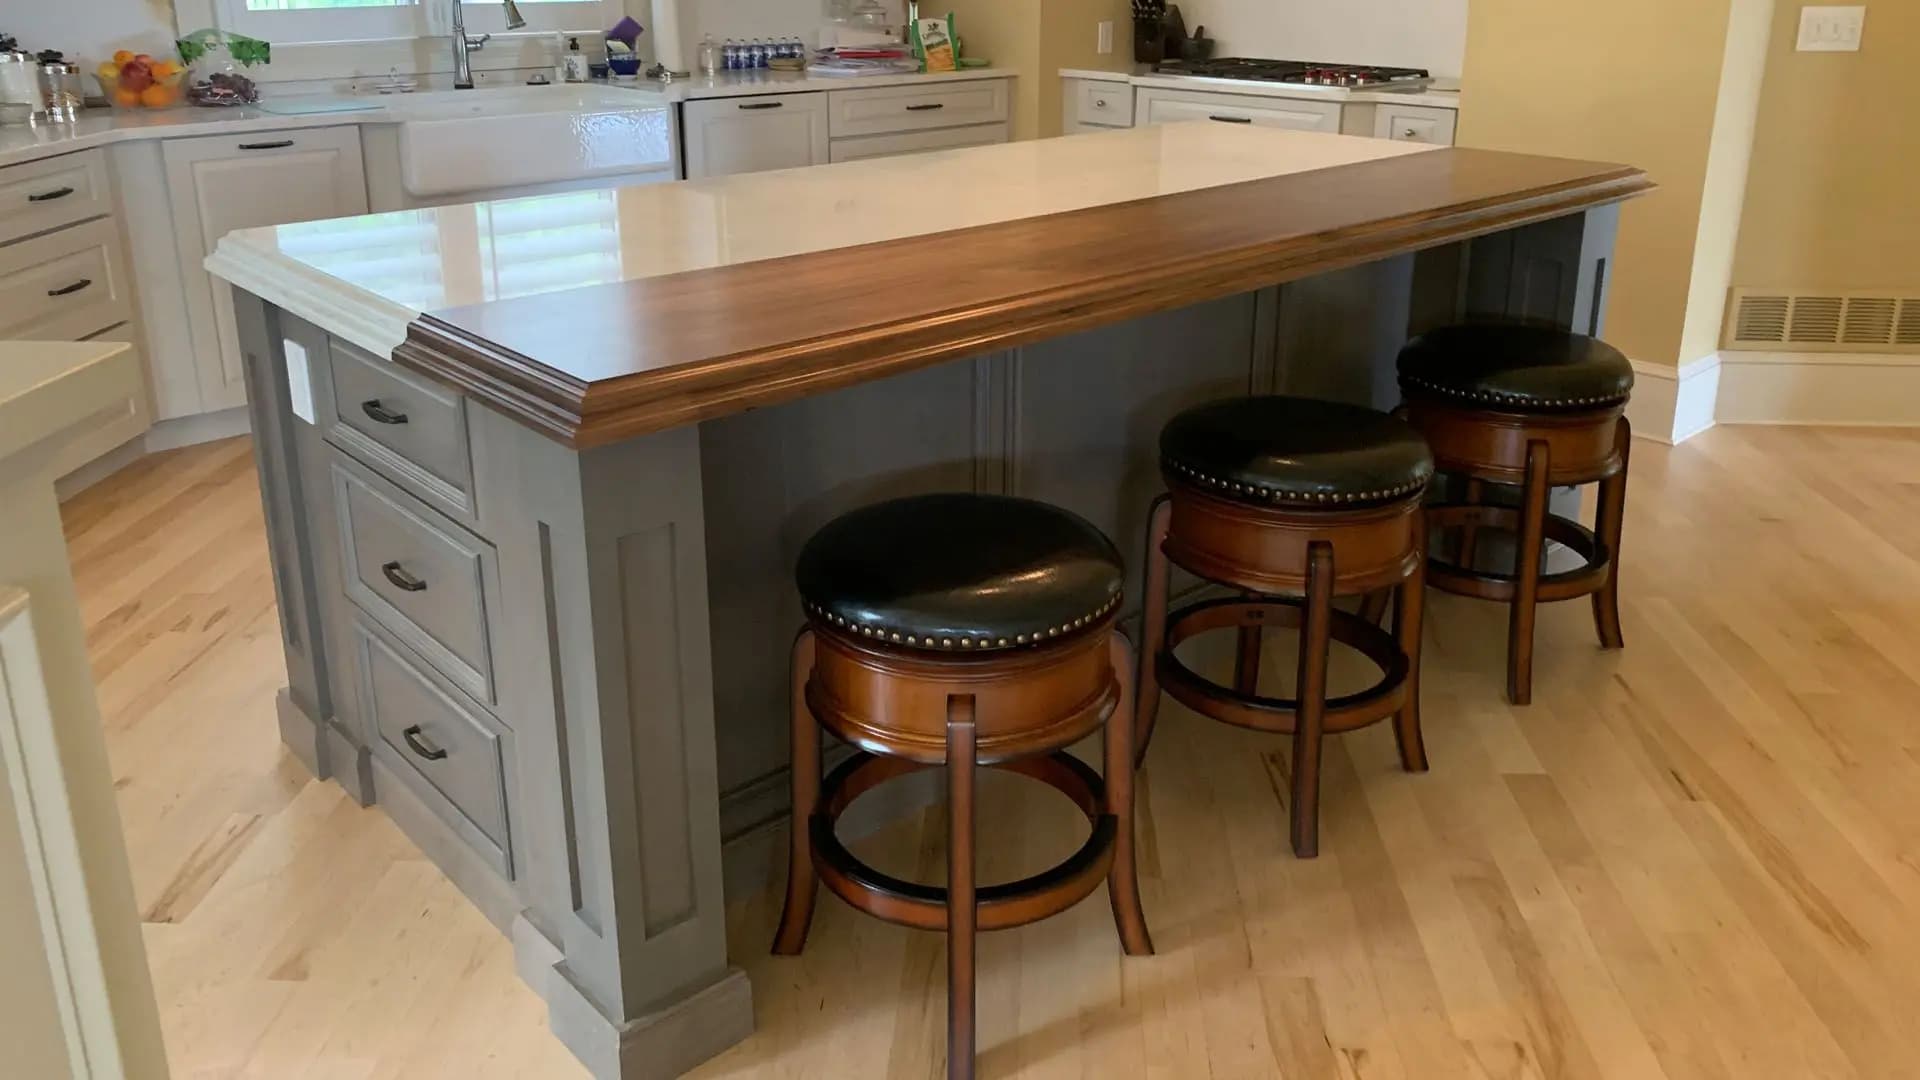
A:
[581,415]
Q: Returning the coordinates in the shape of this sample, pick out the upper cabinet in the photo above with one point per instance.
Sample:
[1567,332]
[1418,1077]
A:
[219,183]
[754,134]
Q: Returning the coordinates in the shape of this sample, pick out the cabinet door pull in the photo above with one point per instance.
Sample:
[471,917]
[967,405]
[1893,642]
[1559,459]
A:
[1232,119]
[277,144]
[49,196]
[421,746]
[762,105]
[381,416]
[73,288]
[929,107]
[401,579]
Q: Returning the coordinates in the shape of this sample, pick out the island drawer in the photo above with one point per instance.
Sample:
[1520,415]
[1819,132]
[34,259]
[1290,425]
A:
[431,583]
[410,429]
[65,285]
[44,195]
[454,757]
[915,108]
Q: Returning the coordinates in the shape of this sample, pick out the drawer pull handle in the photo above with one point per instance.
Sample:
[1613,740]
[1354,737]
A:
[1412,132]
[1099,103]
[73,288]
[421,746]
[763,104]
[277,144]
[1232,119]
[929,107]
[49,196]
[379,415]
[401,579]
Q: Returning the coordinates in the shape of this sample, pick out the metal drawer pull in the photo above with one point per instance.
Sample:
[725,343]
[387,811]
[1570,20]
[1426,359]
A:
[49,196]
[421,746]
[1232,119]
[277,144]
[928,107]
[379,415]
[1412,133]
[401,579]
[763,104]
[1099,103]
[73,288]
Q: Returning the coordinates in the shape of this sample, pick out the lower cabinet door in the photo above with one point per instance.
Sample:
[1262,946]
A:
[917,142]
[725,136]
[452,754]
[1170,106]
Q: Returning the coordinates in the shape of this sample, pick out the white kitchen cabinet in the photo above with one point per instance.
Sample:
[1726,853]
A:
[935,104]
[219,183]
[1155,106]
[1095,105]
[917,142]
[1414,123]
[732,135]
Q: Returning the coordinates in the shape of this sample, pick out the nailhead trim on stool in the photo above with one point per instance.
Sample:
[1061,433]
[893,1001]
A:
[976,644]
[1526,402]
[1255,491]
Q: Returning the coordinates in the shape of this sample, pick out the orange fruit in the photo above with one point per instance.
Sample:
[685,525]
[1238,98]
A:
[165,68]
[122,56]
[126,98]
[157,96]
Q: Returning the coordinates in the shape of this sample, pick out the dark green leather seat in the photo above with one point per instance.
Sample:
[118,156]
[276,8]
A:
[1295,451]
[959,573]
[1515,368]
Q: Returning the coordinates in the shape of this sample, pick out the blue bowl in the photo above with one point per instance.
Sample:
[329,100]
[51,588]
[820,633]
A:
[624,65]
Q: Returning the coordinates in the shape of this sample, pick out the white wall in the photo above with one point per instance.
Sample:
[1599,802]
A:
[1429,34]
[91,29]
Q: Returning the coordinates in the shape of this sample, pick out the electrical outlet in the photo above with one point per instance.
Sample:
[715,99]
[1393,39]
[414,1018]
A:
[1831,29]
[1106,37]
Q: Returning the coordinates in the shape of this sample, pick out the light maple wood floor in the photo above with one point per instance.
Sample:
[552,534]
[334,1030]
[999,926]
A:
[1696,858]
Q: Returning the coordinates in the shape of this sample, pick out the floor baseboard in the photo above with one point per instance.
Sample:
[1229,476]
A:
[1836,389]
[1672,405]
[163,435]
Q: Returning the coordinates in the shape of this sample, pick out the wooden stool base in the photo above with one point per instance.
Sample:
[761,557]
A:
[1467,580]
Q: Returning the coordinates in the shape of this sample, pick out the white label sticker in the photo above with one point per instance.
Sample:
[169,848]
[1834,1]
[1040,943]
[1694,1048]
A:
[299,382]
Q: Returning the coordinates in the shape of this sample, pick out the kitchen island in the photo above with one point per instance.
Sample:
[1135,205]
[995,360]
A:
[533,495]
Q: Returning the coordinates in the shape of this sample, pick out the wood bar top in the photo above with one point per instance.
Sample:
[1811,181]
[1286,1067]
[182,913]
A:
[711,297]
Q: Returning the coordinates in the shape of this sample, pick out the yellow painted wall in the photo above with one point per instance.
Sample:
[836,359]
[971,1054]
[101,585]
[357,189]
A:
[1833,201]
[1036,38]
[1587,79]
[1069,38]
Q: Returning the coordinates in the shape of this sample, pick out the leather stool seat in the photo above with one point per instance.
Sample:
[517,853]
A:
[1288,451]
[1515,367]
[960,572]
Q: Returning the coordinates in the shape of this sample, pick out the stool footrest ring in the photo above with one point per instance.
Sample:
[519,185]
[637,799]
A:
[1000,906]
[1345,713]
[1496,585]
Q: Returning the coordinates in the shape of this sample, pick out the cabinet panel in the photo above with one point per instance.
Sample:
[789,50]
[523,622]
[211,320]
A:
[725,136]
[65,285]
[918,142]
[1104,104]
[1414,123]
[919,107]
[219,183]
[1168,106]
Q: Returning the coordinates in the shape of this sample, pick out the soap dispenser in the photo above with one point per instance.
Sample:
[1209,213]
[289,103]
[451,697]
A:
[574,62]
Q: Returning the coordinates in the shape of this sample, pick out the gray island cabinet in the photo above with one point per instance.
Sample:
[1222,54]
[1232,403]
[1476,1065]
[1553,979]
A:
[536,471]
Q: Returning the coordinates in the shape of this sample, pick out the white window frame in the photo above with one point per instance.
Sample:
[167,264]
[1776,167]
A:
[421,18]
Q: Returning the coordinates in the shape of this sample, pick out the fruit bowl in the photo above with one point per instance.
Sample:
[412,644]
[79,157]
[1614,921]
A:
[141,82]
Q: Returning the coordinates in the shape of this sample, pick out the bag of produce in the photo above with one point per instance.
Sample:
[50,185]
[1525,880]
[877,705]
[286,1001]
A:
[215,62]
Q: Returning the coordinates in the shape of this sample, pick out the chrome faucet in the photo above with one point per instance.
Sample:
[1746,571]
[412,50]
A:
[464,46]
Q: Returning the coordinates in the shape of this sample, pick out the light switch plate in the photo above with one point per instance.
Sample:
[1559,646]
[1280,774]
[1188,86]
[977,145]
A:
[1831,29]
[1105,36]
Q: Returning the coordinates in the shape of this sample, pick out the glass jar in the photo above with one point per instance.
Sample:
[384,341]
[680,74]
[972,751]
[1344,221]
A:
[709,56]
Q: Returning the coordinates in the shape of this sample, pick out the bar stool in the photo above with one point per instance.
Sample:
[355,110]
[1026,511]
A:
[1538,408]
[1290,502]
[959,631]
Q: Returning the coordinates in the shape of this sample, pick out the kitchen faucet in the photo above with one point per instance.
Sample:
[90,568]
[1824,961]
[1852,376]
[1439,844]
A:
[463,45]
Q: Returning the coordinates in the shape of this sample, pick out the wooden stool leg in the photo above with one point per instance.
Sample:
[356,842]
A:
[961,911]
[1153,627]
[1246,661]
[1613,512]
[1526,573]
[1467,547]
[1316,633]
[1123,881]
[796,918]
[1408,611]
[1373,606]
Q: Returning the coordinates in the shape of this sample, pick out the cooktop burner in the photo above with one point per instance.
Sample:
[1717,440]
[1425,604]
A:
[1304,72]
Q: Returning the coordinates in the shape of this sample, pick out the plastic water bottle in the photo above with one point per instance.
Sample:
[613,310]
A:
[729,56]
[759,53]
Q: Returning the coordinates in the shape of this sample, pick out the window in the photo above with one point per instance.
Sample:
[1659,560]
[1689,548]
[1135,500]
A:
[295,21]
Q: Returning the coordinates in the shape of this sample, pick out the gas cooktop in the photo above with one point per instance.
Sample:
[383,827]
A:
[1301,72]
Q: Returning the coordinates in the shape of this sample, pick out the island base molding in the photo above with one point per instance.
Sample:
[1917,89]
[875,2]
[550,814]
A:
[563,672]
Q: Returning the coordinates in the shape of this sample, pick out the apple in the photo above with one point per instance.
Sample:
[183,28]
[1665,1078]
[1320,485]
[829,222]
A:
[135,76]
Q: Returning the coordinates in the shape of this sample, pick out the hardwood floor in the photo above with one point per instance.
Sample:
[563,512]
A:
[1696,858]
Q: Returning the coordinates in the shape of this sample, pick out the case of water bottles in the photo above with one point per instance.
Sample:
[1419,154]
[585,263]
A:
[739,55]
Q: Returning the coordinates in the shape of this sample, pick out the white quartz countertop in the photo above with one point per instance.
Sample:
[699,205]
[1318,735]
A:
[99,127]
[368,277]
[1443,94]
